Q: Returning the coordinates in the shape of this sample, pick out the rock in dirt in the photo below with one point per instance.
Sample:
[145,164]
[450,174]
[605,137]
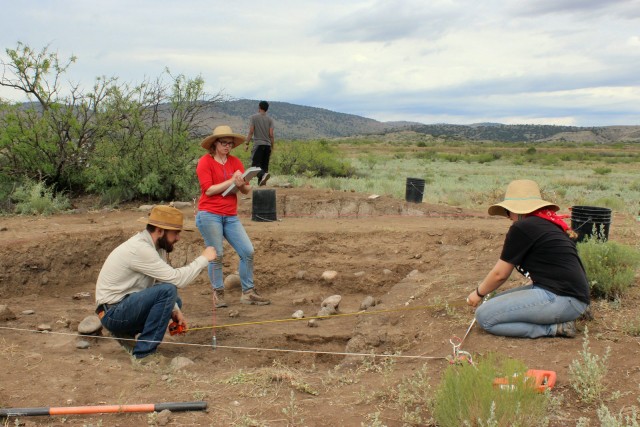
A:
[300,301]
[329,275]
[359,273]
[6,314]
[145,208]
[413,273]
[368,302]
[333,300]
[298,314]
[386,272]
[90,325]
[164,417]
[327,311]
[300,274]
[82,344]
[232,281]
[44,327]
[180,362]
[234,313]
[28,312]
[313,323]
[180,205]
[82,295]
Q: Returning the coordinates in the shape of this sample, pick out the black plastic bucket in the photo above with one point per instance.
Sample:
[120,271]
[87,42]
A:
[263,206]
[591,221]
[415,190]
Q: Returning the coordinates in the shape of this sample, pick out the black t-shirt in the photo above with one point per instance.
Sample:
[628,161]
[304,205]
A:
[542,249]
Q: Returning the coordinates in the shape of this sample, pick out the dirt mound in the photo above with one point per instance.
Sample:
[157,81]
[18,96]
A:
[418,261]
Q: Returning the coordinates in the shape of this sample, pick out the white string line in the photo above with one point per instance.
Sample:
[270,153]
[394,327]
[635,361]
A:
[280,350]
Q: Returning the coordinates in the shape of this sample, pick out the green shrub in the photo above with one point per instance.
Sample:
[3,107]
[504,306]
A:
[602,170]
[610,267]
[35,198]
[607,419]
[316,157]
[467,396]
[632,328]
[587,374]
[414,398]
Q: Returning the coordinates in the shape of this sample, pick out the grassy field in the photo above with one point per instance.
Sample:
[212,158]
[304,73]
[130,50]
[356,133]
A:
[475,175]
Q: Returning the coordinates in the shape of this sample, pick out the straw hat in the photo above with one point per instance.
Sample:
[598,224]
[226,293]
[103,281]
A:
[522,197]
[221,132]
[166,217]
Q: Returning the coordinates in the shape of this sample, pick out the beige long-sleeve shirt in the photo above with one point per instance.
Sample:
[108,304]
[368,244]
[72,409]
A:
[136,265]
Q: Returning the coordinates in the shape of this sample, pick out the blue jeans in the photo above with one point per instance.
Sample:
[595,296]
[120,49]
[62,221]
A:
[528,312]
[213,229]
[147,313]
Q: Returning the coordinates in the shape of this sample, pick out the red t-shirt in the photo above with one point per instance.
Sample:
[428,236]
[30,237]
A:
[211,172]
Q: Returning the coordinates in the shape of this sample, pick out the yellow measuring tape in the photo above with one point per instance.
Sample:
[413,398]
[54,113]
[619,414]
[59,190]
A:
[357,313]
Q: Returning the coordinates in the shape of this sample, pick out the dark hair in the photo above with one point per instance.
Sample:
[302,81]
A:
[264,105]
[151,228]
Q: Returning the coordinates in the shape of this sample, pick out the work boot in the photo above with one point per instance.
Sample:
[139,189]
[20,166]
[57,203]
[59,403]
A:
[566,329]
[220,302]
[264,179]
[251,297]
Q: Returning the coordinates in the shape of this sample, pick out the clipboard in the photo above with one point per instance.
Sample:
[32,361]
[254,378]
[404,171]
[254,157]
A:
[248,175]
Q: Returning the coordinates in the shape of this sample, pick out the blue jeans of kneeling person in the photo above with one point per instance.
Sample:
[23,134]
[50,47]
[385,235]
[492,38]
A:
[214,228]
[147,313]
[527,312]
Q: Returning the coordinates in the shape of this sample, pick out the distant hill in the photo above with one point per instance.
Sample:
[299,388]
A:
[301,122]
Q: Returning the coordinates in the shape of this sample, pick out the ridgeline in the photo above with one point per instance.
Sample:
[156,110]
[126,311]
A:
[298,122]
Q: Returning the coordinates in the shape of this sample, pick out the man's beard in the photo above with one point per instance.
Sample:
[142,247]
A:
[163,243]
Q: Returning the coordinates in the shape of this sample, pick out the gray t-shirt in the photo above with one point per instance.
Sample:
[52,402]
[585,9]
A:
[261,124]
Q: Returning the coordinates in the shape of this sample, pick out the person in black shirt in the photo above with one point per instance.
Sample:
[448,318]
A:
[539,245]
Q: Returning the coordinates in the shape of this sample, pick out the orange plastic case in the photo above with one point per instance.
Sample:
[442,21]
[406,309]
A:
[539,379]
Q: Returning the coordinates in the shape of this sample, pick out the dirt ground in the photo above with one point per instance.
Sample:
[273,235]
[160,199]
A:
[419,261]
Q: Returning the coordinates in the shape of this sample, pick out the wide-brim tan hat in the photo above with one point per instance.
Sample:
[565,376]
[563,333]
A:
[522,197]
[166,217]
[222,132]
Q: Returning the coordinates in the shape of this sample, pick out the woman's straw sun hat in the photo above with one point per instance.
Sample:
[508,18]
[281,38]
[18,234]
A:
[222,132]
[522,197]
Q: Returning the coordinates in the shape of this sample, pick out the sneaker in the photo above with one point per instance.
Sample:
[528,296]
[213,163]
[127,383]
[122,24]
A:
[587,315]
[264,179]
[251,297]
[126,341]
[566,329]
[151,360]
[219,298]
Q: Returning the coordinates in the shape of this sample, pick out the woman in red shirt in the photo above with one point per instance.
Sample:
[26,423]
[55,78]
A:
[217,216]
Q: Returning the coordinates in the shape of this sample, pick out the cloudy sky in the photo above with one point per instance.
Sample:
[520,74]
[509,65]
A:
[565,62]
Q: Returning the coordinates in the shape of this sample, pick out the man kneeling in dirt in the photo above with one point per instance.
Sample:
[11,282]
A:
[136,291]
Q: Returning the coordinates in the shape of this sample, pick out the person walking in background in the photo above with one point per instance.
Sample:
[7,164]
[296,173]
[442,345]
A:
[261,130]
[539,245]
[217,216]
[136,290]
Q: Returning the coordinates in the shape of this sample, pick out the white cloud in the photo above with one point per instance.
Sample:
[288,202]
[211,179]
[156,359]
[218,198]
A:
[570,61]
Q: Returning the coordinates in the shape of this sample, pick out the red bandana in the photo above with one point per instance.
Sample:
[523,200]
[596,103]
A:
[550,215]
